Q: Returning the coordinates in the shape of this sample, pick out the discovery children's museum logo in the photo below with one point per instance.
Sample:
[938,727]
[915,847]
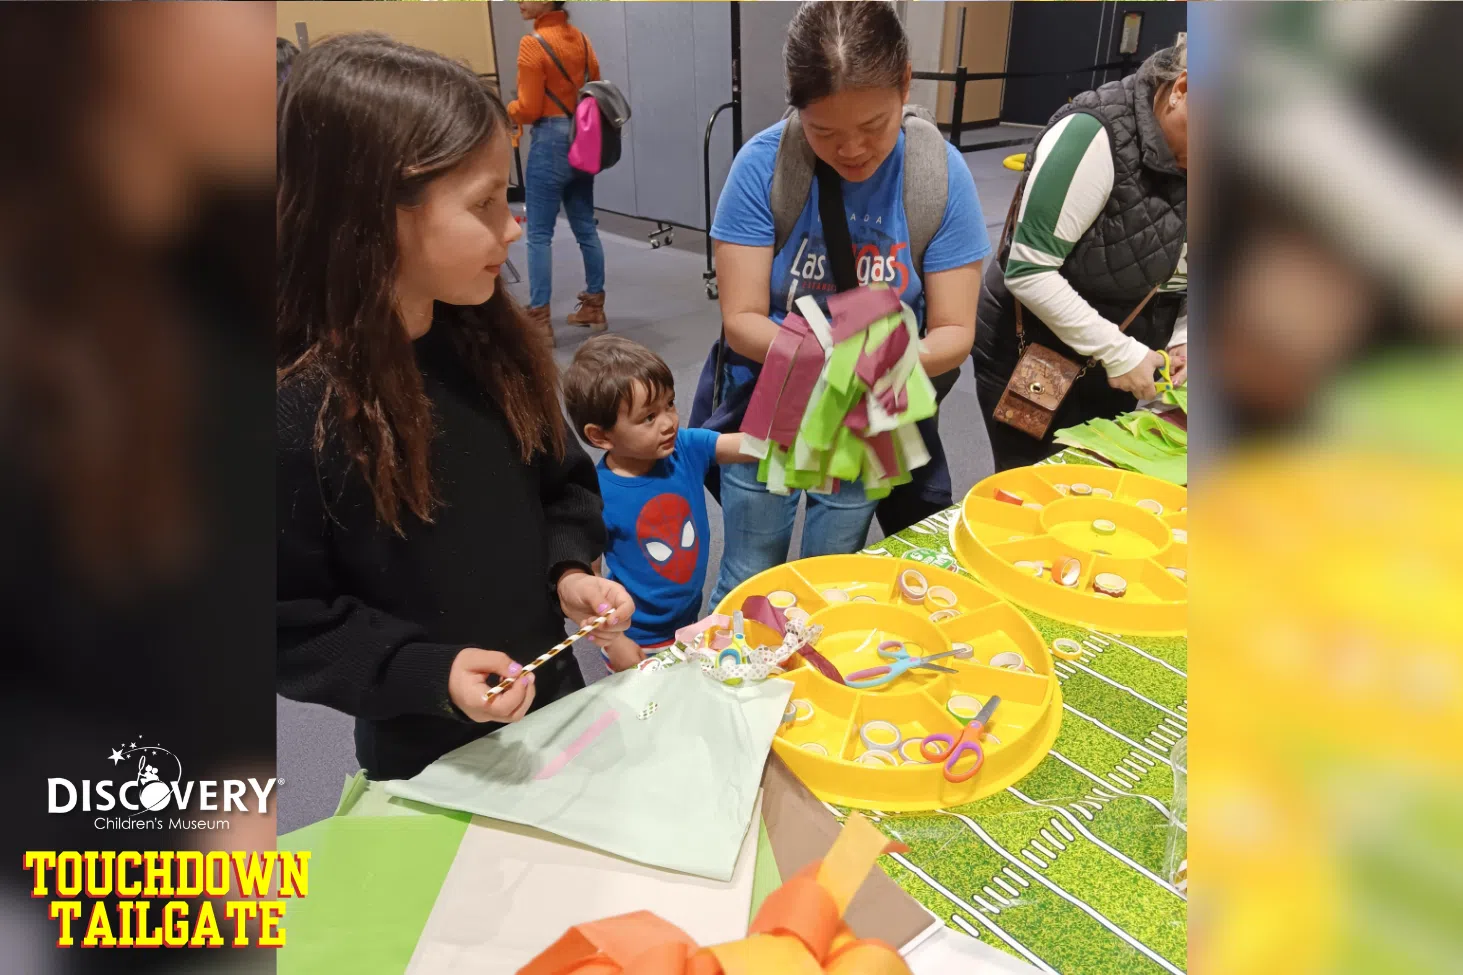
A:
[148,782]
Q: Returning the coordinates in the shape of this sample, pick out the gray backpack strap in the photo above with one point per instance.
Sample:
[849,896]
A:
[926,182]
[792,180]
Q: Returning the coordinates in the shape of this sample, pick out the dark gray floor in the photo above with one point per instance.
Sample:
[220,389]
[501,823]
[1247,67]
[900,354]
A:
[657,298]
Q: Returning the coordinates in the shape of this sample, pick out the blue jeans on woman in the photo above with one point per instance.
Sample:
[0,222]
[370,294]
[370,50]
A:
[758,525]
[550,182]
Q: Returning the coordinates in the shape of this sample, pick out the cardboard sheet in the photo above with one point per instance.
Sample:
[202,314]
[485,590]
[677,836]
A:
[802,830]
[513,891]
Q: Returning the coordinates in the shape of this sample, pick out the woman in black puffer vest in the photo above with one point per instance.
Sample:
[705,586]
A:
[1102,222]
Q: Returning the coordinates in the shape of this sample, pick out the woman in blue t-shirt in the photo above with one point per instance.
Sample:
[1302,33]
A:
[848,74]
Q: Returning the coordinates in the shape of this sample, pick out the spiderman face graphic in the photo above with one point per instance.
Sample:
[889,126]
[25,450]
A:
[667,535]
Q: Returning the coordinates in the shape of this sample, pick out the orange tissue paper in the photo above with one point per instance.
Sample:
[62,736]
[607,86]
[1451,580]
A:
[798,931]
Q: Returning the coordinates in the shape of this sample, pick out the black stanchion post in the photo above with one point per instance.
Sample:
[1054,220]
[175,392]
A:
[736,67]
[957,111]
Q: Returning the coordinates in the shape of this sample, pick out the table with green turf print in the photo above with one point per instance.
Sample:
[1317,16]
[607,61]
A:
[1065,869]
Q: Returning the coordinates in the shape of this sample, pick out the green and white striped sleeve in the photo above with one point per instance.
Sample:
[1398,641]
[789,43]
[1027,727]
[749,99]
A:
[1067,189]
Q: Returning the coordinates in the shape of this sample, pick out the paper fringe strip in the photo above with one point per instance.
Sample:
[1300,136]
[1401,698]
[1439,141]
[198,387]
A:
[799,929]
[838,401]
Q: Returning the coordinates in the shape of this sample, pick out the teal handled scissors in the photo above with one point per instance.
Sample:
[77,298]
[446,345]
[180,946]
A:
[900,662]
[949,749]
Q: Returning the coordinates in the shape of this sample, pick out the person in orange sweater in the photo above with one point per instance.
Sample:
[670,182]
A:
[548,88]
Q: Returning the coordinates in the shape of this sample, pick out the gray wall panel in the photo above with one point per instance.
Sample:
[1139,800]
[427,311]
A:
[764,28]
[664,127]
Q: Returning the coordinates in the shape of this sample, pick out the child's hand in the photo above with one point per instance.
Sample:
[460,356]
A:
[623,653]
[468,686]
[583,597]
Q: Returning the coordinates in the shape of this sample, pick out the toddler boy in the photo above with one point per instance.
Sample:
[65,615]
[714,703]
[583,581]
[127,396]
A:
[622,398]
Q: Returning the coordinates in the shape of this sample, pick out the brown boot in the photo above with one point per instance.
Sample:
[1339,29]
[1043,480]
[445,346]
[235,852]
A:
[541,322]
[590,313]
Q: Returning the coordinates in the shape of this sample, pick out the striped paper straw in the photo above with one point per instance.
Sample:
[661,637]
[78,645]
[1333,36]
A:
[546,656]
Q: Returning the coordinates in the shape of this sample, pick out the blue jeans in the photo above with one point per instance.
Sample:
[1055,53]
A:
[552,182]
[757,525]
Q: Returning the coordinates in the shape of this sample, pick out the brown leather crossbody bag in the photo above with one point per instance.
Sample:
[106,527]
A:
[1043,377]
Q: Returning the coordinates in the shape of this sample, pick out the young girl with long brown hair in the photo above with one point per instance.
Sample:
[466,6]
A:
[429,501]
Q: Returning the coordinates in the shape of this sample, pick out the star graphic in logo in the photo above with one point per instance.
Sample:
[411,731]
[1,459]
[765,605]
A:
[116,756]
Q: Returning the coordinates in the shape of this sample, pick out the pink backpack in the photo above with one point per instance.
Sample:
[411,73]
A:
[598,117]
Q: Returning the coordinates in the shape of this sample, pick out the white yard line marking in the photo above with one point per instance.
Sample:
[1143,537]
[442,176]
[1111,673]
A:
[1144,759]
[1034,859]
[1017,877]
[1020,948]
[1117,734]
[1047,835]
[1124,687]
[1061,828]
[1036,845]
[1080,904]
[991,893]
[1149,799]
[1100,843]
[1161,662]
[984,906]
[1007,887]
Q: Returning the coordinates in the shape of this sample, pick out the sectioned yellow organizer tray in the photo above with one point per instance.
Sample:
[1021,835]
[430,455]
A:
[832,729]
[1089,545]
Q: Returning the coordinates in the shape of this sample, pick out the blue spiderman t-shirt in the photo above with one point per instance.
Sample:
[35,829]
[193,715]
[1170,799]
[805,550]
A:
[658,536]
[876,224]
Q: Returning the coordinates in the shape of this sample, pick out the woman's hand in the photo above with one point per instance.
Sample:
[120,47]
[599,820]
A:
[1178,356]
[1139,380]
[583,597]
[468,686]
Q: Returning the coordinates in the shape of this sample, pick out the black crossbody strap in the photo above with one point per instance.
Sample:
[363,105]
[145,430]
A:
[835,227]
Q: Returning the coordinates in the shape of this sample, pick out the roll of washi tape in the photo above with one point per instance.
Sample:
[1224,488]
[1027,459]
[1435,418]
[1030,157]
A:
[1081,490]
[909,750]
[803,710]
[1067,648]
[1007,497]
[731,655]
[1101,493]
[796,613]
[877,756]
[782,599]
[963,651]
[1063,488]
[1181,535]
[941,615]
[1151,506]
[790,715]
[1009,660]
[1110,584]
[1104,527]
[913,586]
[835,595]
[880,734]
[864,599]
[1066,572]
[963,707]
[1178,573]
[1033,567]
[942,596]
[815,748]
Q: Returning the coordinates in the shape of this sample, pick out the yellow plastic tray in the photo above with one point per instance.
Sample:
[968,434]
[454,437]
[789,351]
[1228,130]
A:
[1052,523]
[1021,731]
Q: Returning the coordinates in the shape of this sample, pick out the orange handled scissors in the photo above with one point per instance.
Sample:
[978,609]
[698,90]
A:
[950,749]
